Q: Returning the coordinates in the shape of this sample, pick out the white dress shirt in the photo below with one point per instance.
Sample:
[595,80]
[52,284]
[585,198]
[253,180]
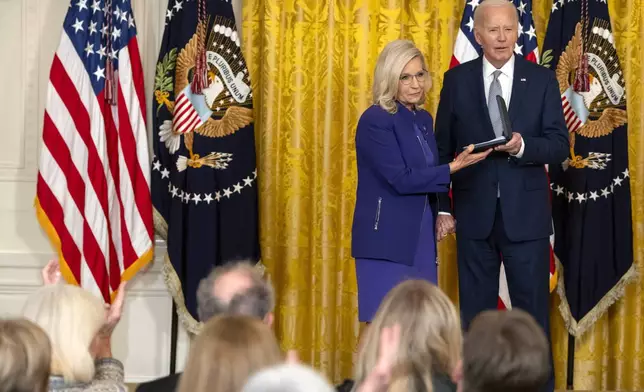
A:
[505,79]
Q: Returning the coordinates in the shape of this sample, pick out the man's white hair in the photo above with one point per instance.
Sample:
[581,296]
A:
[480,9]
[288,378]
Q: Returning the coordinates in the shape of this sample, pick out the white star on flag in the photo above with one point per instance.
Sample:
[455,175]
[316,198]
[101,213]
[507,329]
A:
[92,27]
[96,6]
[531,32]
[518,48]
[100,73]
[89,49]
[78,26]
[470,24]
[101,52]
[116,33]
[82,4]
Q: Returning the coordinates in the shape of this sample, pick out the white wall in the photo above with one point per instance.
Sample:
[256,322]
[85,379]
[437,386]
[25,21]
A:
[30,31]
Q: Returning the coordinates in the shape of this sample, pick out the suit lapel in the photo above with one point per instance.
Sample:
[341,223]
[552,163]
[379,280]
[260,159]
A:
[519,87]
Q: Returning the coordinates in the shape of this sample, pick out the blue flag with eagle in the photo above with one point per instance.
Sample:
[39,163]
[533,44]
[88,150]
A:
[591,190]
[204,176]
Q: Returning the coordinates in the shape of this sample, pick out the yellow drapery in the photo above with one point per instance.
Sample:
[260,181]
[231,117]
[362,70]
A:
[311,63]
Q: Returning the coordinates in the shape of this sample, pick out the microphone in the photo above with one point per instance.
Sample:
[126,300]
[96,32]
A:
[505,118]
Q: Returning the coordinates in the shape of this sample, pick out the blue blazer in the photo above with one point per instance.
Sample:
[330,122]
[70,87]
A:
[536,113]
[393,183]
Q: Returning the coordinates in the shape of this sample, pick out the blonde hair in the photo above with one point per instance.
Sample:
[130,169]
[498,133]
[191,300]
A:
[71,317]
[480,9]
[430,336]
[25,354]
[229,349]
[391,62]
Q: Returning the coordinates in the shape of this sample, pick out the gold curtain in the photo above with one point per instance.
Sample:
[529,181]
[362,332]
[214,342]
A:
[311,63]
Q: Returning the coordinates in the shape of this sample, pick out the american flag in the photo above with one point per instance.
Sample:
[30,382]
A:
[93,186]
[465,49]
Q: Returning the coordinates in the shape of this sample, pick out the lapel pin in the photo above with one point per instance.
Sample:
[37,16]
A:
[523,79]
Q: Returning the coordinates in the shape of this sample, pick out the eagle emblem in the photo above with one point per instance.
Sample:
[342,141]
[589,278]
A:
[597,109]
[219,110]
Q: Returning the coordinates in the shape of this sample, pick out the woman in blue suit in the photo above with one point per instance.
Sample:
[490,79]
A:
[398,176]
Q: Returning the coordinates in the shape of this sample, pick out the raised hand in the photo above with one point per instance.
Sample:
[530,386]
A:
[379,378]
[51,273]
[114,311]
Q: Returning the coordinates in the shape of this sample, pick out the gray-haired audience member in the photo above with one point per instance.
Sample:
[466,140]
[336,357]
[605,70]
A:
[288,378]
[235,288]
[505,352]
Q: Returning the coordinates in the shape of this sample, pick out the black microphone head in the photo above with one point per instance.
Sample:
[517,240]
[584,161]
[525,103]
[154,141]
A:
[505,117]
[501,103]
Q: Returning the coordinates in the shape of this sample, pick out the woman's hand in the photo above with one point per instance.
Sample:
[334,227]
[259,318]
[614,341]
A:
[114,311]
[380,376]
[51,273]
[467,158]
[102,344]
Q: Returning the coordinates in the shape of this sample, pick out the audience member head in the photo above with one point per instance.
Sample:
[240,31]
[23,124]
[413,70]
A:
[430,336]
[229,349]
[236,288]
[400,75]
[496,30]
[71,317]
[25,356]
[505,351]
[288,378]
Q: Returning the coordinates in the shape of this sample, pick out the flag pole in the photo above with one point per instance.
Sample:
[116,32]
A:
[571,363]
[174,329]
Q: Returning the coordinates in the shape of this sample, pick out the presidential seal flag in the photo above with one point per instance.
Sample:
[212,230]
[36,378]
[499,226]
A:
[204,176]
[591,189]
[93,186]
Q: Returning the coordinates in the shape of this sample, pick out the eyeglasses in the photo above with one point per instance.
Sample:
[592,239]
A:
[406,79]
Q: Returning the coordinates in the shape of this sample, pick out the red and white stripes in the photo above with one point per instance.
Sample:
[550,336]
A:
[93,188]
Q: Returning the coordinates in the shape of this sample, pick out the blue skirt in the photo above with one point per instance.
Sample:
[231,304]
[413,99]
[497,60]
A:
[376,277]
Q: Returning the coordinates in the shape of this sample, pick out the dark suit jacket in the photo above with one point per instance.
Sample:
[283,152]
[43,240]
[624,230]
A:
[393,183]
[536,113]
[165,384]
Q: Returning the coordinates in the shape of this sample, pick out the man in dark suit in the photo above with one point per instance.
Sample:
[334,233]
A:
[501,207]
[235,288]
